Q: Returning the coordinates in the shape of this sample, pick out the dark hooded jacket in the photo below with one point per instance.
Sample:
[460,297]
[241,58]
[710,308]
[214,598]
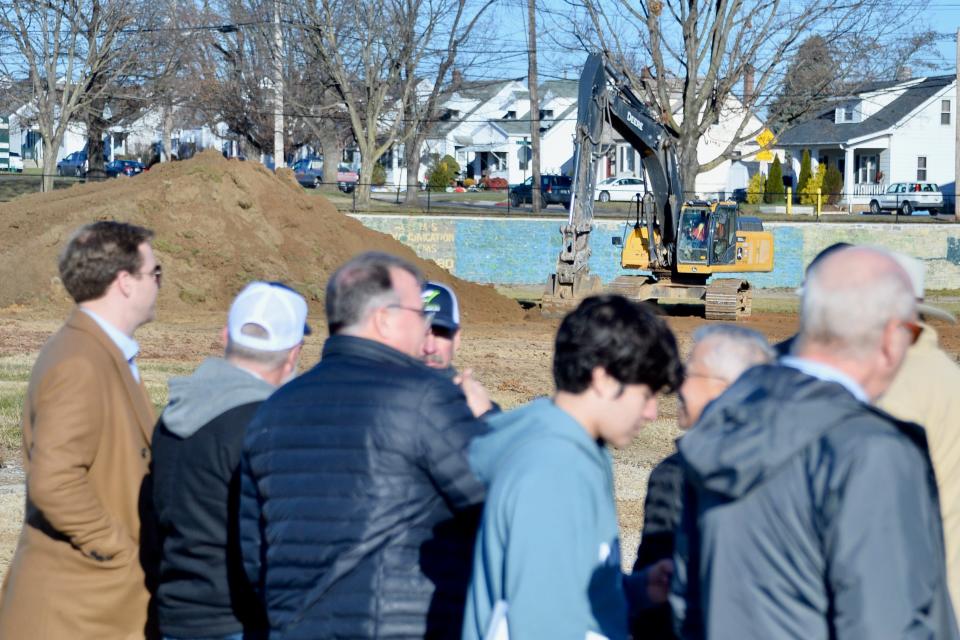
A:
[807,514]
[358,508]
[203,591]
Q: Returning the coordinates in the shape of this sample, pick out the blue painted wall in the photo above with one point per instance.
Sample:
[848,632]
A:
[524,251]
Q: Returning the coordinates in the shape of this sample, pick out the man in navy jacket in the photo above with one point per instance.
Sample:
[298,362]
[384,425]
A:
[357,497]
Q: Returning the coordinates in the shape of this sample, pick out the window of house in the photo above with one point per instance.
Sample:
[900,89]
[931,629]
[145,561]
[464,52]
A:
[546,113]
[848,113]
[944,112]
[867,168]
[921,167]
[631,160]
[510,115]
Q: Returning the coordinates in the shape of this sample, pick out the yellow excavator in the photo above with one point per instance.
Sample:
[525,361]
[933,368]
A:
[677,245]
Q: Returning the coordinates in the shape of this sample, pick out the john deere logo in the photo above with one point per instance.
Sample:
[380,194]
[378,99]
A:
[633,120]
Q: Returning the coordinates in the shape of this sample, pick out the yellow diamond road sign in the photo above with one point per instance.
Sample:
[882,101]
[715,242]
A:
[765,139]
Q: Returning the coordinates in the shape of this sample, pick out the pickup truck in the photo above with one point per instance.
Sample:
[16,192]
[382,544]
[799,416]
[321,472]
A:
[909,197]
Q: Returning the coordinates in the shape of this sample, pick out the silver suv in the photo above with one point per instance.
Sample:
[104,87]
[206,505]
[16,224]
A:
[909,197]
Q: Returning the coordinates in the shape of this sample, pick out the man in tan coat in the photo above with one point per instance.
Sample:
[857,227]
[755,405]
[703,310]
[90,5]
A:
[87,424]
[925,391]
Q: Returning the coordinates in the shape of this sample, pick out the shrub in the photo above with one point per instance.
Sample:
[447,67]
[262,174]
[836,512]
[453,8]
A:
[774,192]
[379,177]
[444,171]
[832,185]
[805,172]
[755,188]
[498,183]
[808,195]
[469,182]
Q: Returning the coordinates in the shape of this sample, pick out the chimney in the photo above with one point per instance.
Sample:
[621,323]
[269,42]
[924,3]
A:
[748,84]
[457,79]
[904,73]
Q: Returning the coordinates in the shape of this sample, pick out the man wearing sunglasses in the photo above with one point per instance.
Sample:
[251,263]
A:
[87,424]
[808,513]
[354,476]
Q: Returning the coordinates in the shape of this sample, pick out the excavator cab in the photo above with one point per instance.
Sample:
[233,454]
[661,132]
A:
[693,241]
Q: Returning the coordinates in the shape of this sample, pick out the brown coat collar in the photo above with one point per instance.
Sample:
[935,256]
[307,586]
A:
[139,397]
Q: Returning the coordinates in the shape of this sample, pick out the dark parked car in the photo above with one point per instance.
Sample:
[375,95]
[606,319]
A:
[128,168]
[554,189]
[309,173]
[75,164]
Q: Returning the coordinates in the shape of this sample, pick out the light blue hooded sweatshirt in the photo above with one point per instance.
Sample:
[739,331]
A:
[548,543]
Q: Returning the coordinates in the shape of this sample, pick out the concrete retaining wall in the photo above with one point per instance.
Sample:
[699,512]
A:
[524,251]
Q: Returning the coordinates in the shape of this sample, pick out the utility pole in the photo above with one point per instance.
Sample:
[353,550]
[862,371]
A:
[535,195]
[278,159]
[956,135]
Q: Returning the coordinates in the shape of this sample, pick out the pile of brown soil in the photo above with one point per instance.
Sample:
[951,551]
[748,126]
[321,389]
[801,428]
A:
[219,224]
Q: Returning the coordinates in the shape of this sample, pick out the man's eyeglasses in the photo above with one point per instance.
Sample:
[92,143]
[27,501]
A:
[423,313]
[156,273]
[914,329]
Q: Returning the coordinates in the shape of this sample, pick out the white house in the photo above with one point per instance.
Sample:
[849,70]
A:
[895,131]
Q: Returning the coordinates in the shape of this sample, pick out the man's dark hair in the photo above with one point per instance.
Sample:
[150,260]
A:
[97,253]
[360,284]
[623,337]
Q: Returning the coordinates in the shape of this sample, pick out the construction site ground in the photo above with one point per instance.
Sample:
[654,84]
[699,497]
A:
[222,223]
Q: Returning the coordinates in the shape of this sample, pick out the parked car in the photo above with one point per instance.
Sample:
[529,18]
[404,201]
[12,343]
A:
[347,178]
[16,162]
[554,189]
[309,172]
[75,164]
[128,168]
[619,189]
[909,197]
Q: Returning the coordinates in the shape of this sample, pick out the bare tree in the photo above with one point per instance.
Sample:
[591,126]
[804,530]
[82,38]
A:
[689,58]
[423,107]
[66,49]
[373,51]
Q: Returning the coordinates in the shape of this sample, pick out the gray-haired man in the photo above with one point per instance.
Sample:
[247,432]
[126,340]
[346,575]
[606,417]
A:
[355,475]
[810,514]
[720,354]
[196,458]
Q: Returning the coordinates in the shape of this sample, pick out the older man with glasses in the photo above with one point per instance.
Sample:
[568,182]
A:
[807,513]
[357,503]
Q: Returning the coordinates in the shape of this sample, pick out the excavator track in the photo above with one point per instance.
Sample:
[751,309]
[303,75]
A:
[728,299]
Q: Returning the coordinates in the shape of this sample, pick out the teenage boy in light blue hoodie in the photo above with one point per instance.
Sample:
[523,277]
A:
[547,557]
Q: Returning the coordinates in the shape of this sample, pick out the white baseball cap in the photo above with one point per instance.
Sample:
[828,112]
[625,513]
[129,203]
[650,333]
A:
[275,307]
[917,272]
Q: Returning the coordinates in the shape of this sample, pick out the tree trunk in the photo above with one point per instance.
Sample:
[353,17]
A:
[95,163]
[363,184]
[330,148]
[50,147]
[689,168]
[166,153]
[411,156]
[535,195]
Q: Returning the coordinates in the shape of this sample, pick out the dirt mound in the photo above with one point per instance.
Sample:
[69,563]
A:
[219,223]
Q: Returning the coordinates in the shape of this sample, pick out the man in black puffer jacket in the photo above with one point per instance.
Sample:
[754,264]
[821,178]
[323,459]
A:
[355,481]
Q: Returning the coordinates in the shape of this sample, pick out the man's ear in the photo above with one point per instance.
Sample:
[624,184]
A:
[456,340]
[890,346]
[224,337]
[123,283]
[605,385]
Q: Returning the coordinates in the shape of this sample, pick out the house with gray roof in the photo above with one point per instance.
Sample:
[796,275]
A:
[888,132]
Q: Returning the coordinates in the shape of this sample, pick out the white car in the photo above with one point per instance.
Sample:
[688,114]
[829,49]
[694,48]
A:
[909,197]
[16,163]
[620,189]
